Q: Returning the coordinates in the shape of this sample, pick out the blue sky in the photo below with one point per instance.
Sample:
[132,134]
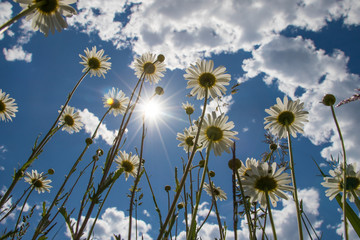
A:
[303,49]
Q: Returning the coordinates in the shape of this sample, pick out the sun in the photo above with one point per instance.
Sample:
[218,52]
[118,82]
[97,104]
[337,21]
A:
[152,109]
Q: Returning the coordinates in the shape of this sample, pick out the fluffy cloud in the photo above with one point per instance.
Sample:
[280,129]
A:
[91,121]
[17,53]
[295,63]
[114,221]
[284,218]
[5,13]
[219,105]
[187,30]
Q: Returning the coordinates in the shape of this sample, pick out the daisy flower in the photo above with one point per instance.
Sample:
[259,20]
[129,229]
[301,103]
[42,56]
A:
[8,107]
[152,66]
[188,107]
[217,131]
[70,120]
[336,186]
[115,100]
[38,181]
[128,162]
[95,62]
[202,77]
[187,139]
[243,170]
[49,15]
[264,179]
[286,114]
[217,191]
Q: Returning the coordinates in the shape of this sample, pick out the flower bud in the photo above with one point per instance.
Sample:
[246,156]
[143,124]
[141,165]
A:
[273,146]
[99,152]
[180,205]
[234,164]
[51,171]
[159,91]
[201,163]
[212,174]
[160,58]
[95,157]
[167,188]
[88,141]
[329,100]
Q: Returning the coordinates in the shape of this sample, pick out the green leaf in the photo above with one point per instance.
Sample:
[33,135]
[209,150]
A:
[350,215]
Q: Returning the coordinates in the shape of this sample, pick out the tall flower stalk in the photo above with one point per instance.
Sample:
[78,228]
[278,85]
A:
[95,62]
[286,118]
[329,100]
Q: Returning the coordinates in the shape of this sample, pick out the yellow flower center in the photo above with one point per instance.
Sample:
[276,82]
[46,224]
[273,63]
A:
[189,110]
[49,7]
[207,80]
[69,120]
[94,63]
[37,183]
[216,192]
[149,68]
[2,106]
[189,141]
[214,133]
[266,184]
[286,118]
[352,183]
[114,103]
[127,165]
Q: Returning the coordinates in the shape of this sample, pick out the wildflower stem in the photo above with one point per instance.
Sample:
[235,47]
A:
[153,195]
[21,211]
[357,201]
[215,205]
[247,210]
[23,13]
[198,196]
[137,178]
[187,170]
[270,215]
[207,216]
[344,172]
[292,168]
[39,148]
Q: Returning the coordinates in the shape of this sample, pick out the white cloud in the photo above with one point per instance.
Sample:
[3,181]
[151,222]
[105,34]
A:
[91,122]
[190,29]
[284,218]
[219,105]
[2,168]
[17,53]
[114,221]
[5,14]
[245,129]
[295,63]
[146,213]
[3,149]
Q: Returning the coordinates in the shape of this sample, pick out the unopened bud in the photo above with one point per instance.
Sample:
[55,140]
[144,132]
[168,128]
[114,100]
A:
[234,164]
[329,100]
[51,171]
[88,141]
[273,146]
[167,188]
[159,91]
[212,174]
[160,58]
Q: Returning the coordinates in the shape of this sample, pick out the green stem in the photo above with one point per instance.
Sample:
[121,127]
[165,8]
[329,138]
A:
[137,178]
[357,201]
[198,196]
[292,167]
[207,216]
[215,205]
[183,179]
[21,211]
[344,172]
[23,13]
[247,210]
[270,215]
